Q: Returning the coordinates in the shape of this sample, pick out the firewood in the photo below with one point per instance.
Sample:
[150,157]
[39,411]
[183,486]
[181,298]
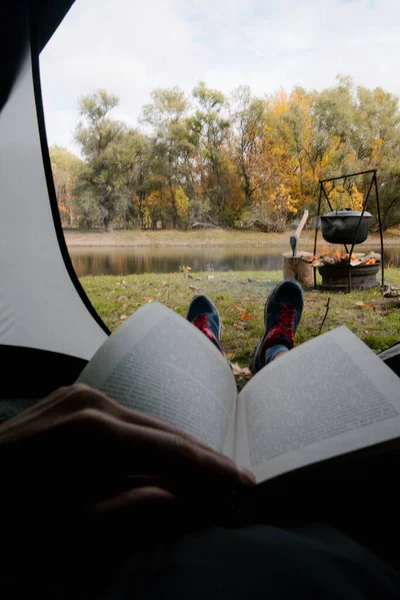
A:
[391,291]
[328,260]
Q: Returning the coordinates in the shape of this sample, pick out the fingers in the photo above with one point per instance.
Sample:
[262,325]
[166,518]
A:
[80,396]
[71,401]
[134,417]
[143,500]
[102,402]
[68,401]
[97,440]
[173,455]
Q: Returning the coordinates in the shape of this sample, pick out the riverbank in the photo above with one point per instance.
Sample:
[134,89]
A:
[203,238]
[240,298]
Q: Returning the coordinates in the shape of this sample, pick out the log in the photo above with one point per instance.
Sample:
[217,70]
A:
[294,267]
[390,291]
[205,225]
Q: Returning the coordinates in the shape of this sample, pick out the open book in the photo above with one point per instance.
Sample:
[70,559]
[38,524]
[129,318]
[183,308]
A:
[325,398]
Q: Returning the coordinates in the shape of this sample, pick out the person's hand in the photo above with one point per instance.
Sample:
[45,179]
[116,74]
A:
[78,450]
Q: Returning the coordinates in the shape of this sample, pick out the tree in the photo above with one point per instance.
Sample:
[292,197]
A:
[241,160]
[170,145]
[66,169]
[248,119]
[212,126]
[361,128]
[334,114]
[132,168]
[376,141]
[97,131]
[98,137]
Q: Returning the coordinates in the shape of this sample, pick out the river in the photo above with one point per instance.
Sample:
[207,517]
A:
[152,259]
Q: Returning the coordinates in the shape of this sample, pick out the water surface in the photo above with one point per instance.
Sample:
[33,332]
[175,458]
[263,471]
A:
[135,260]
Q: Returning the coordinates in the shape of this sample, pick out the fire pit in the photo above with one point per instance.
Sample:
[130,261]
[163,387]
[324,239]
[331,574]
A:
[334,270]
[336,277]
[344,272]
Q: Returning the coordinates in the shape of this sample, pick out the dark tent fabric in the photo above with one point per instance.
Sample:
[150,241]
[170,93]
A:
[42,304]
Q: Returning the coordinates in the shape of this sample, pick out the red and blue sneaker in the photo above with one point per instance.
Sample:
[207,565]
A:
[203,314]
[282,314]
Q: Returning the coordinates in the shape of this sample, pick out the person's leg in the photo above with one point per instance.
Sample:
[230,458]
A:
[282,314]
[203,314]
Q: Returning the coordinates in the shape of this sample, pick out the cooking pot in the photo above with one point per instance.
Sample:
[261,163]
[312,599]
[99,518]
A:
[340,227]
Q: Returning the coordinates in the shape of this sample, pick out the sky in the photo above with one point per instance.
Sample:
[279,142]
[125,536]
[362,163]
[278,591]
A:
[130,47]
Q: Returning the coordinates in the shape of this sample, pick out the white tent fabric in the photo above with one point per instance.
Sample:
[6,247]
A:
[40,307]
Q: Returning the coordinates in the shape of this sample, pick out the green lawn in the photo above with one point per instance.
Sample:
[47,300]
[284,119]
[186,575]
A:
[240,298]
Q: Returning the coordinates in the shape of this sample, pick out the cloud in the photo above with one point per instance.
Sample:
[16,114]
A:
[130,48]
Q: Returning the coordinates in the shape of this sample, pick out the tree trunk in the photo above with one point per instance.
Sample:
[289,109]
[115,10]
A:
[107,223]
[141,209]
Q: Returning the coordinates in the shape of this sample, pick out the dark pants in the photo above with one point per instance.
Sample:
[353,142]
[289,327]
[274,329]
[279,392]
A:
[312,561]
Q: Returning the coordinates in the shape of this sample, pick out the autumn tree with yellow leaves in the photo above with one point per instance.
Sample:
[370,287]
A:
[228,159]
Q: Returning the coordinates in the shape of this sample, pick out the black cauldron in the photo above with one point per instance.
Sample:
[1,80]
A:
[340,227]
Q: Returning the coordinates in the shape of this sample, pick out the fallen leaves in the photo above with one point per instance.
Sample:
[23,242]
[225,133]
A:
[244,315]
[361,304]
[123,317]
[240,372]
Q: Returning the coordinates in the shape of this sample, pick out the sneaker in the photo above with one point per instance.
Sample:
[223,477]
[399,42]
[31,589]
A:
[282,314]
[203,314]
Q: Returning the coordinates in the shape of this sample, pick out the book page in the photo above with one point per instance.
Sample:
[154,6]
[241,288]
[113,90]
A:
[330,396]
[160,364]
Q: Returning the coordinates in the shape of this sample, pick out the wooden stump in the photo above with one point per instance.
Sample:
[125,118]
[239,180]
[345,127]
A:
[296,268]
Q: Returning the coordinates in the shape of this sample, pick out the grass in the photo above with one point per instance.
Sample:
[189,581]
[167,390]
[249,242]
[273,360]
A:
[165,237]
[240,298]
[205,237]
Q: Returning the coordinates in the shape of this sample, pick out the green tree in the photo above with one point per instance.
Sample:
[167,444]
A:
[66,169]
[334,114]
[170,146]
[132,168]
[98,137]
[212,127]
[359,129]
[246,161]
[249,142]
[376,142]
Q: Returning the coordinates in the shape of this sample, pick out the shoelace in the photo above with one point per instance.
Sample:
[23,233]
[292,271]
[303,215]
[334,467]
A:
[201,322]
[284,327]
